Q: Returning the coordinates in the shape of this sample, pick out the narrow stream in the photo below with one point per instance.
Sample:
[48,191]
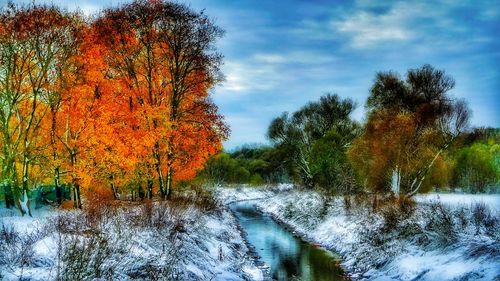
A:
[286,255]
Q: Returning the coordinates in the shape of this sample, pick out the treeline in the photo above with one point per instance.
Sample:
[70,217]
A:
[474,164]
[116,103]
[415,138]
[255,165]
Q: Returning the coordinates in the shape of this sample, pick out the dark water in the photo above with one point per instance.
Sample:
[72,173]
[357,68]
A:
[286,255]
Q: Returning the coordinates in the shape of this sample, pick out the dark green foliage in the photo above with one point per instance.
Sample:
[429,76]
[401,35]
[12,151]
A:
[256,165]
[329,164]
[315,139]
[424,92]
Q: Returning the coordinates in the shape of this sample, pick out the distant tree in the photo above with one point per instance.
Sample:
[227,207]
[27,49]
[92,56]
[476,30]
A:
[298,133]
[410,124]
[476,167]
[219,168]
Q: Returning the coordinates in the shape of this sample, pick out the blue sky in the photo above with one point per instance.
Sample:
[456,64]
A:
[281,54]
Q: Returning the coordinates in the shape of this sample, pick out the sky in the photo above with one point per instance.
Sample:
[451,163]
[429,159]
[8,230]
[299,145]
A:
[279,55]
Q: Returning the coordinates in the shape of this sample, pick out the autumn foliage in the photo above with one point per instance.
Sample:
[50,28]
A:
[118,103]
[411,124]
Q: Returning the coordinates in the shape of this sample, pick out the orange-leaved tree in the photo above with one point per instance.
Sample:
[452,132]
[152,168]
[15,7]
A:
[161,55]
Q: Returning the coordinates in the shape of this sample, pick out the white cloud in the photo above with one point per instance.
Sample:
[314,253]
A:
[429,22]
[245,76]
[368,29]
[302,57]
[88,7]
[270,58]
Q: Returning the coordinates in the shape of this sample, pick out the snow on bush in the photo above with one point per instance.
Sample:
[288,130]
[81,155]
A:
[425,241]
[152,241]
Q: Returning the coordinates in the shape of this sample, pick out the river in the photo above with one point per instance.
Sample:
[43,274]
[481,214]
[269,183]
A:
[287,256]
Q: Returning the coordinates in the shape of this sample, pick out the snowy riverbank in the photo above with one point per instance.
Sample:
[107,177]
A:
[150,242]
[455,240]
[421,246]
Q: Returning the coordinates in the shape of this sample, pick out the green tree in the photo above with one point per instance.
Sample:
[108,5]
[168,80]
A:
[297,133]
[476,168]
[219,168]
[329,164]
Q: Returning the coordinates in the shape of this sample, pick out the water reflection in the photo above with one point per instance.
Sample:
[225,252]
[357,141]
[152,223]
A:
[286,255]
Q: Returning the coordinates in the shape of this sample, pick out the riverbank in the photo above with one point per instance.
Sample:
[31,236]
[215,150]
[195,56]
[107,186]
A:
[287,256]
[450,241]
[158,241]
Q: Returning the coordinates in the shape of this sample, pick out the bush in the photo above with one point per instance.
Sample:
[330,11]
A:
[441,223]
[16,249]
[9,237]
[83,257]
[101,210]
[484,220]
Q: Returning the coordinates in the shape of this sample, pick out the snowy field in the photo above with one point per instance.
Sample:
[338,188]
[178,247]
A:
[185,244]
[243,192]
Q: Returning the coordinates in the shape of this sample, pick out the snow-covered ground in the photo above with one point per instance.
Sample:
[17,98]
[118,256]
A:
[162,242]
[243,192]
[454,200]
[186,243]
[416,248]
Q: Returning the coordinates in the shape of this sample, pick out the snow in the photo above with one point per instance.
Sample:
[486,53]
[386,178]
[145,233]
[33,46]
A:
[336,229]
[210,248]
[254,273]
[244,192]
[490,200]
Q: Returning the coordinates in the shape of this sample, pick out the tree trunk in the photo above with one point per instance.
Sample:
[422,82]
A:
[75,200]
[78,198]
[57,174]
[113,190]
[419,179]
[150,189]
[140,192]
[169,182]
[57,185]
[9,195]
[161,179]
[375,203]
[396,180]
[77,203]
[25,184]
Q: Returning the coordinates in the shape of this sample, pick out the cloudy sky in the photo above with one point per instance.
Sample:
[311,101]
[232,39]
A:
[281,54]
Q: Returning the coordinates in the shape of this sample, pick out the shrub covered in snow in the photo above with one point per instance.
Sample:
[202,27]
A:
[174,240]
[398,240]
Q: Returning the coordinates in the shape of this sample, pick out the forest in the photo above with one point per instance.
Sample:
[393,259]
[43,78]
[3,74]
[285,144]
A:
[110,106]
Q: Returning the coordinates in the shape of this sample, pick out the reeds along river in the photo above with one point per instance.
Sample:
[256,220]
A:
[288,256]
